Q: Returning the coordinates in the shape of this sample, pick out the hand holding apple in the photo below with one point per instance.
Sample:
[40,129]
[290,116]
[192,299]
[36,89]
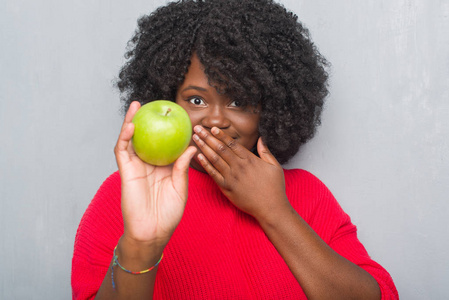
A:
[162,131]
[152,197]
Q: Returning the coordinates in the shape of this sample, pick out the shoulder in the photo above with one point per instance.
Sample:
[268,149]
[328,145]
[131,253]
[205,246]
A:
[102,221]
[313,201]
[111,186]
[299,174]
[298,180]
[305,189]
[107,201]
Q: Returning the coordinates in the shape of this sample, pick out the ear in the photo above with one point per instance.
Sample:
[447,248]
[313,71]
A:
[265,153]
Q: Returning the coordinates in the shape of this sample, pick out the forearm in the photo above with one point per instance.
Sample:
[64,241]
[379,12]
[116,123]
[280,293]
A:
[321,272]
[130,286]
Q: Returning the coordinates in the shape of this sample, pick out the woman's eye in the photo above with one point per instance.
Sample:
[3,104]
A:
[235,103]
[196,101]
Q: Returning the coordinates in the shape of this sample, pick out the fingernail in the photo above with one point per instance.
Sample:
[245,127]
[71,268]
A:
[197,129]
[215,130]
[196,138]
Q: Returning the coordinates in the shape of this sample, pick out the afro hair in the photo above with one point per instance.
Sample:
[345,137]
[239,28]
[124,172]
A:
[255,51]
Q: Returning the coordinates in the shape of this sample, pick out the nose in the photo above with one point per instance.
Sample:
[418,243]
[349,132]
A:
[216,116]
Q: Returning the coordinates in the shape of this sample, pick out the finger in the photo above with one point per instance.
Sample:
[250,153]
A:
[181,170]
[213,149]
[133,108]
[211,170]
[265,153]
[126,133]
[230,143]
[122,147]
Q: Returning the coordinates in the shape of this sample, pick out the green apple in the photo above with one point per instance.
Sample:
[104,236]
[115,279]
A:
[162,131]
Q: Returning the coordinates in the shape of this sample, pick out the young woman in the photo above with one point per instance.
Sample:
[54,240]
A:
[225,221]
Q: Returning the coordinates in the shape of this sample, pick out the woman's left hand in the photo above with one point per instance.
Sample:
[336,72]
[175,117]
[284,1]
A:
[255,185]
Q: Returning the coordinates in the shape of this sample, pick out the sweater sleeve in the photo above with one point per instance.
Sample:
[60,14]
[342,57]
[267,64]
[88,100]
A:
[324,214]
[99,231]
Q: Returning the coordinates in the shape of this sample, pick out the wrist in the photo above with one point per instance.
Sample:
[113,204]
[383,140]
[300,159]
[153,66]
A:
[137,255]
[273,214]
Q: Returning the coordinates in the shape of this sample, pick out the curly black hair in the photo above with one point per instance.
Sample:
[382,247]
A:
[255,51]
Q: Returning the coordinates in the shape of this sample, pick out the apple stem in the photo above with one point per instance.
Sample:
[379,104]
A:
[168,110]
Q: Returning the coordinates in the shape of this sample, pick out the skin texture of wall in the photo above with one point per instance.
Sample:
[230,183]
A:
[382,148]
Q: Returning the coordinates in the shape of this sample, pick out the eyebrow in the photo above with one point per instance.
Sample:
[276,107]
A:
[192,87]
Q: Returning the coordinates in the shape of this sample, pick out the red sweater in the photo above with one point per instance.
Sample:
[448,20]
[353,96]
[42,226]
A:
[217,251]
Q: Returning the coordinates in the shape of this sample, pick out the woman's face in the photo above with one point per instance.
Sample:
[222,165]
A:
[208,108]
